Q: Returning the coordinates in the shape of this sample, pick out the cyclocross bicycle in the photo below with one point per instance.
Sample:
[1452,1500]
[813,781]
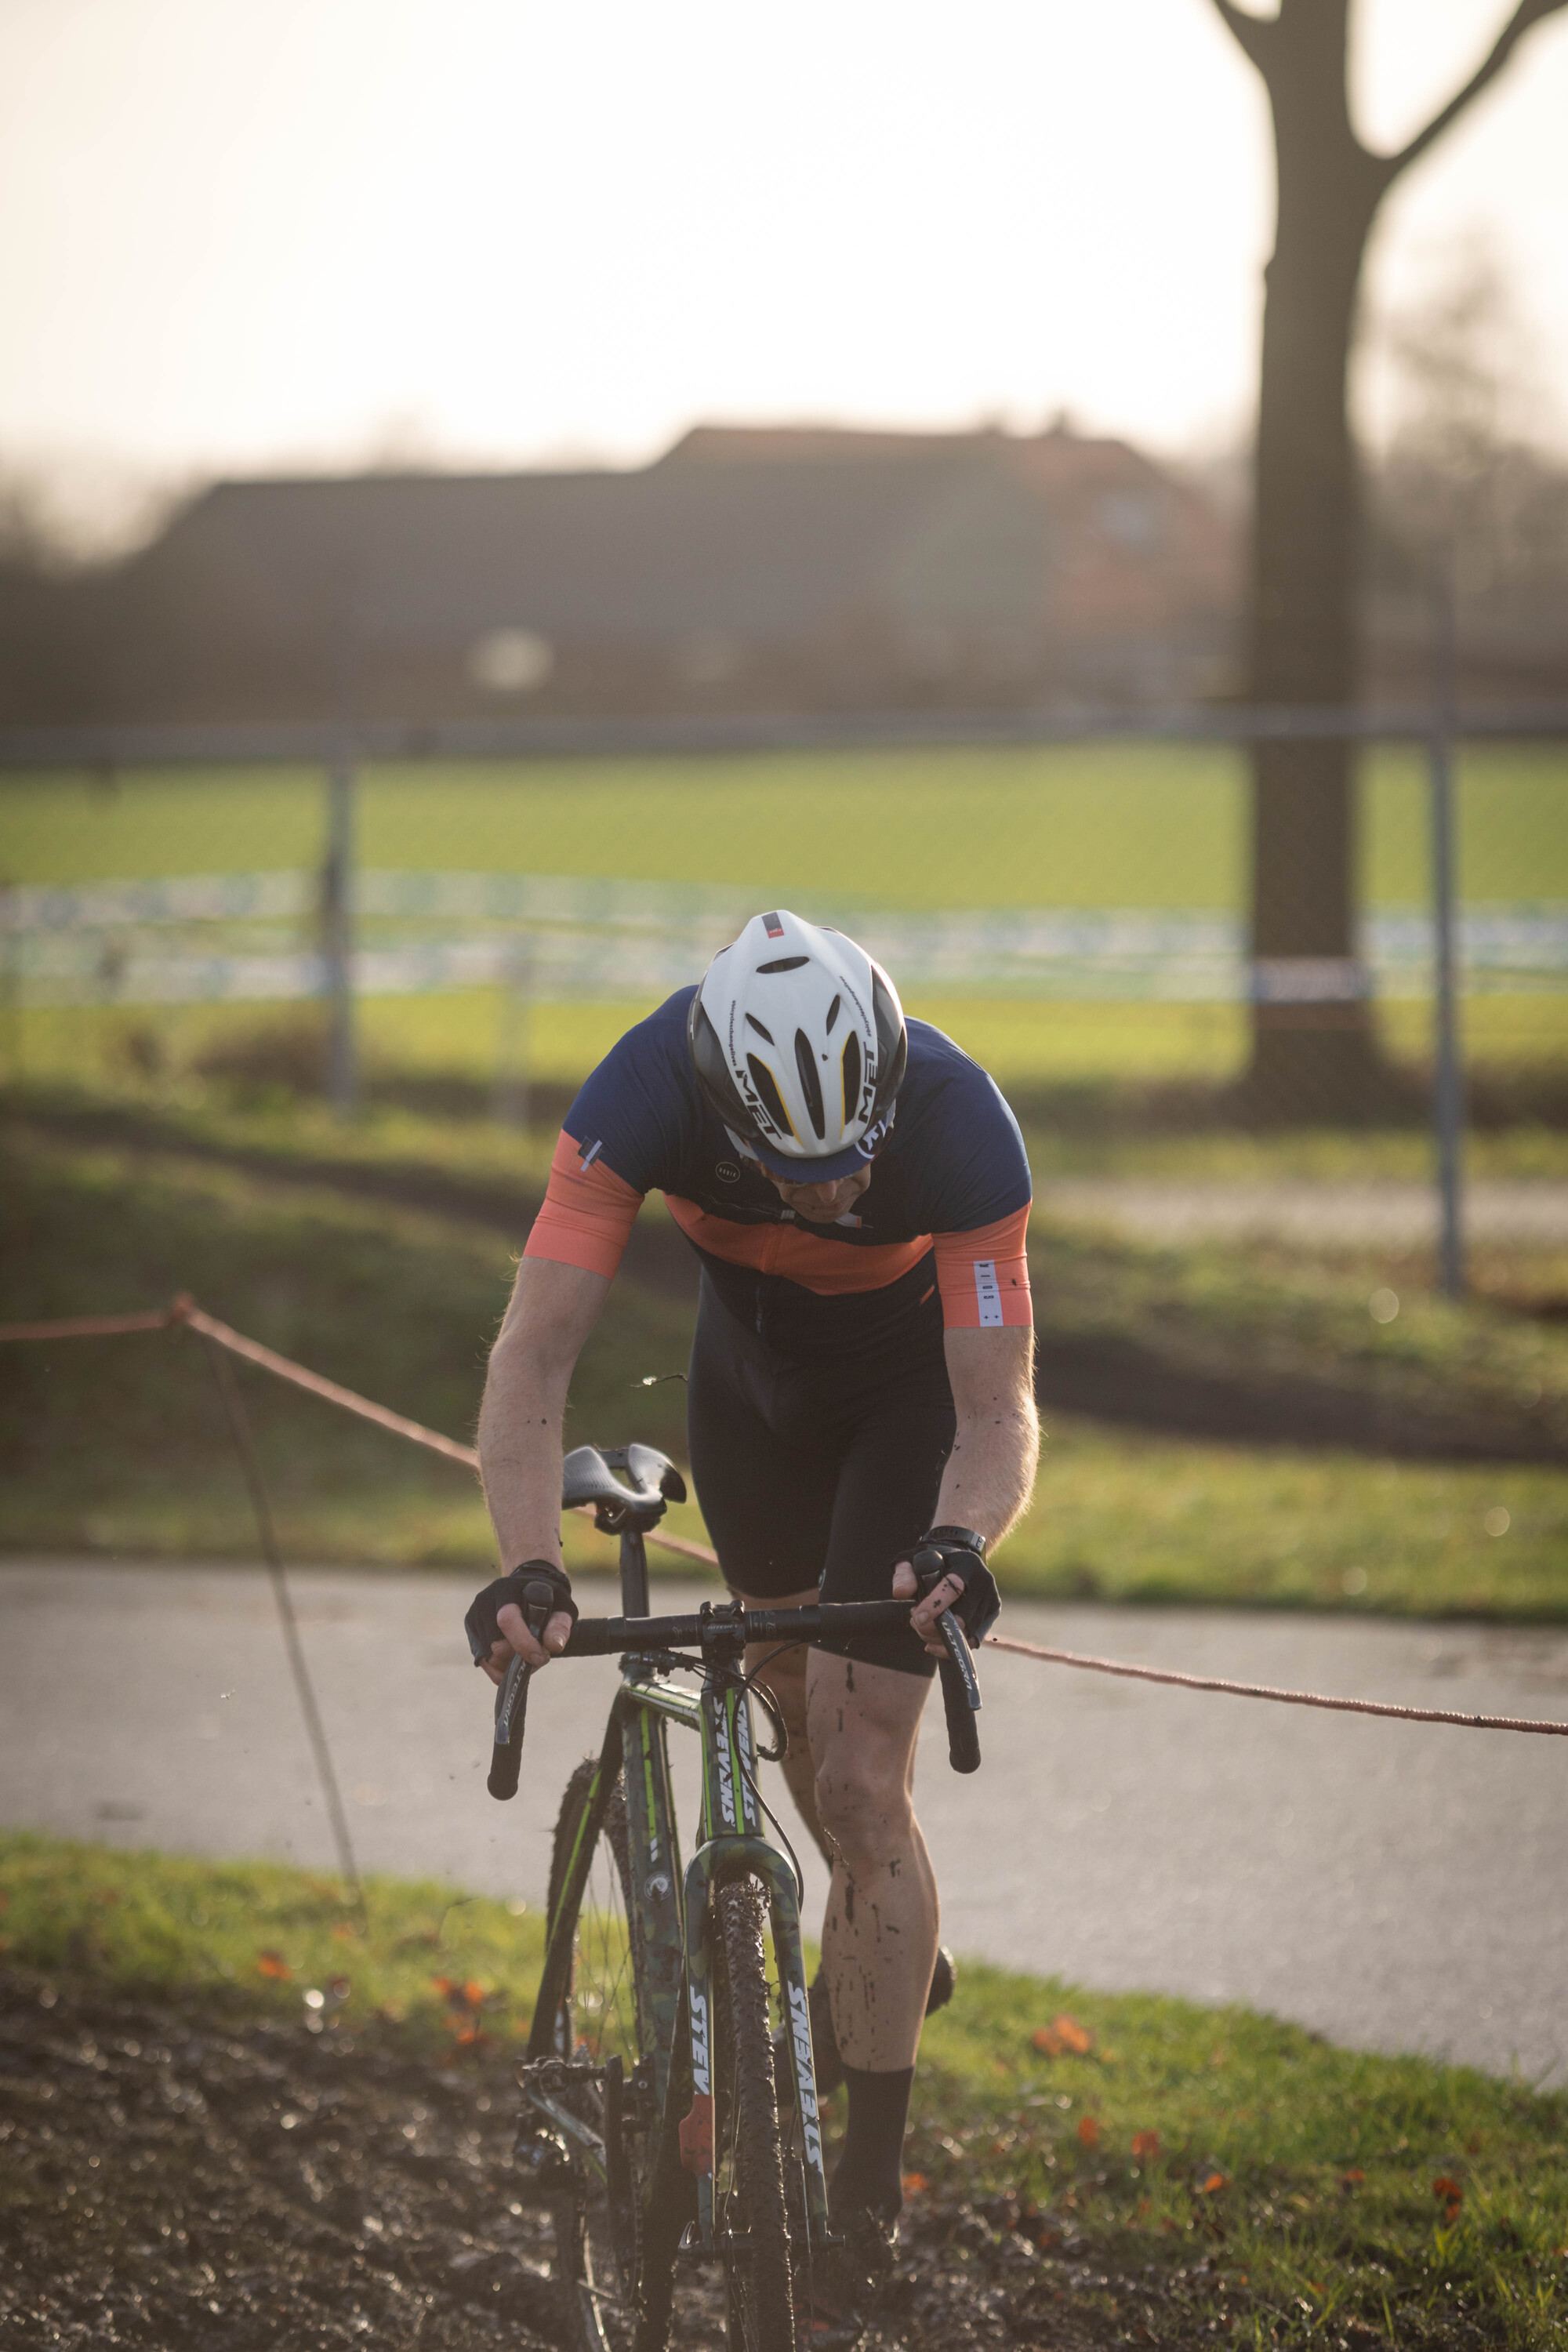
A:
[652,2128]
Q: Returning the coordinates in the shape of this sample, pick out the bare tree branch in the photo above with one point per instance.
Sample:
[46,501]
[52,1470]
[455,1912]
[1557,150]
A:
[1252,32]
[1528,13]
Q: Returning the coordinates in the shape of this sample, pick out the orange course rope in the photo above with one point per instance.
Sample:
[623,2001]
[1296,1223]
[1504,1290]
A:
[185,1312]
[1269,1690]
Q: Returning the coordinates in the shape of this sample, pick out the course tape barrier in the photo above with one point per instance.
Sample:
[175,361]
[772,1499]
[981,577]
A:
[213,937]
[184,1313]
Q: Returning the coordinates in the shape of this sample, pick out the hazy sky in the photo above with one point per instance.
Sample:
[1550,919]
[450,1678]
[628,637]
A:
[241,233]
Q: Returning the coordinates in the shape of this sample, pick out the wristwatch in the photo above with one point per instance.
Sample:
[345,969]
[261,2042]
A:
[967,1536]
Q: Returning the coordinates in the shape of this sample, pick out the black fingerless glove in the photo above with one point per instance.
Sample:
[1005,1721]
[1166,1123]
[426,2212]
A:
[959,1552]
[480,1625]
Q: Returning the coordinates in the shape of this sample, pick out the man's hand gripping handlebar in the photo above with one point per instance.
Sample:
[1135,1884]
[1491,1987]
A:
[516,1624]
[502,1625]
[957,1603]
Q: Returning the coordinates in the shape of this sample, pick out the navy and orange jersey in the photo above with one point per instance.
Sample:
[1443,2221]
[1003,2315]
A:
[936,1239]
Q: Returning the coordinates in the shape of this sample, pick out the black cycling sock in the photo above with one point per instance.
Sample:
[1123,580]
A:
[871,2169]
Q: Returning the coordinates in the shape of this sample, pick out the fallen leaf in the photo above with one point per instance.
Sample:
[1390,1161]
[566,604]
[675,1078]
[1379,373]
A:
[1072,2035]
[1045,2040]
[272,1964]
[1351,2180]
[1215,2181]
[444,1986]
[1145,2143]
[1088,2131]
[914,2183]
[474,1994]
[1445,2187]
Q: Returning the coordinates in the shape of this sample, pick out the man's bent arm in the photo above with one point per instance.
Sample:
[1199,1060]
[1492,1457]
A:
[553,1308]
[990,1472]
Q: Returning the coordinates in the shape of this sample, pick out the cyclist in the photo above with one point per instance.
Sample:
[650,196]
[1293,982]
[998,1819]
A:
[861,1386]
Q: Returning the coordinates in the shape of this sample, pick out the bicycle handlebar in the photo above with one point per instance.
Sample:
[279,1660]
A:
[711,1630]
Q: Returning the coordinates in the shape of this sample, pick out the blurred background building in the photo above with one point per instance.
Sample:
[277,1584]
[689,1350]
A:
[798,569]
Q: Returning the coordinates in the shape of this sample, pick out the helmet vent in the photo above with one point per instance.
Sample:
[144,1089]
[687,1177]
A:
[850,1067]
[785,963]
[753,1023]
[832,1012]
[767,1087]
[810,1084]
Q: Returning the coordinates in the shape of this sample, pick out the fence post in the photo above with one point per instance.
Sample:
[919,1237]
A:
[1449,1085]
[337,933]
[10,983]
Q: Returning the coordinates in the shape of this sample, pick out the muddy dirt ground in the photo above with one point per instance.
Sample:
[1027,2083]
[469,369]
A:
[177,2180]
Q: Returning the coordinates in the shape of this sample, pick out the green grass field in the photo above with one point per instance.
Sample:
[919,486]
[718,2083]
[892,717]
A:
[1127,825]
[1112,825]
[1322,2190]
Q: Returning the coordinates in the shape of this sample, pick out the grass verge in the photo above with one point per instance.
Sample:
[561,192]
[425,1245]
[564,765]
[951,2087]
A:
[120,1445]
[1324,2196]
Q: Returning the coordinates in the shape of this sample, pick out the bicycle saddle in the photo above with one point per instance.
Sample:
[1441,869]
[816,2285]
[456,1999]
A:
[637,1498]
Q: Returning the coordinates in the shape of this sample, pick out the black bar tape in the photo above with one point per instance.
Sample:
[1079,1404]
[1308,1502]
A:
[960,1699]
[538,1603]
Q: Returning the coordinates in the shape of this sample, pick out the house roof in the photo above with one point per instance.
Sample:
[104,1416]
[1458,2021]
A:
[777,535]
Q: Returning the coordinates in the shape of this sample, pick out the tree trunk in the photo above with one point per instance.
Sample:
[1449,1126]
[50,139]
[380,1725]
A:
[1313,1051]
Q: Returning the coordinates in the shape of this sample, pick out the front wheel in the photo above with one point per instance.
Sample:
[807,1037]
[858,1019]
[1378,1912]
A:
[616,2263]
[750,2207]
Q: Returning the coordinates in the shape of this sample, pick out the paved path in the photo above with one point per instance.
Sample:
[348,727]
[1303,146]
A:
[1527,1212]
[1396,1886]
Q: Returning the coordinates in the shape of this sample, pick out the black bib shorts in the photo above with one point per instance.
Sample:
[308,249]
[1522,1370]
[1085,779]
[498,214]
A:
[818,1473]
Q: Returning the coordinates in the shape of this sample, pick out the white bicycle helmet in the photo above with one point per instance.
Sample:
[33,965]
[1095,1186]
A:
[797,1040]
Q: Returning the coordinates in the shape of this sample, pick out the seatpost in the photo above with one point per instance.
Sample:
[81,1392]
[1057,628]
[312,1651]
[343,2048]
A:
[634,1573]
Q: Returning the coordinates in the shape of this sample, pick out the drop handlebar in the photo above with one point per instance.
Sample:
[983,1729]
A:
[722,1633]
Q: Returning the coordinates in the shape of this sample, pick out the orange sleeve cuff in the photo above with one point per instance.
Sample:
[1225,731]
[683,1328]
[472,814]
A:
[983,1275]
[588,1212]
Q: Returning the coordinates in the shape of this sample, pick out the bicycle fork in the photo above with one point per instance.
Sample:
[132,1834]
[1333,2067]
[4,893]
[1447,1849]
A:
[735,1844]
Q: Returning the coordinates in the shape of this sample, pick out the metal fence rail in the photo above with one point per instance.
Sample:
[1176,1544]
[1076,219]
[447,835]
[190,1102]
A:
[343,927]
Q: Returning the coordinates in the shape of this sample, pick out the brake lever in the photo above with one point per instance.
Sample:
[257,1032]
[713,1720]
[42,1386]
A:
[511,1698]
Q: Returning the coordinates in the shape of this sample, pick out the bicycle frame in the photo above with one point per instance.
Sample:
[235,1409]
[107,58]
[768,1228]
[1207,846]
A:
[673,1911]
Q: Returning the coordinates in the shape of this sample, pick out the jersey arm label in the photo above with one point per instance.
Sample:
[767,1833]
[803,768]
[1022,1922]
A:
[984,1275]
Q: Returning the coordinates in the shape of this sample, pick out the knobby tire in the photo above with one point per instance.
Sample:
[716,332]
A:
[749,2180]
[618,2276]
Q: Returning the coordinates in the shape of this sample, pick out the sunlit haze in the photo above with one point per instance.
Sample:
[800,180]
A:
[239,237]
